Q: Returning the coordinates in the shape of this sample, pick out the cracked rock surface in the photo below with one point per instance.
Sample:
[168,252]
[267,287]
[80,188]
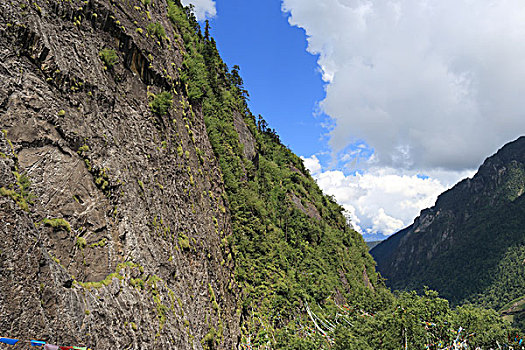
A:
[119,241]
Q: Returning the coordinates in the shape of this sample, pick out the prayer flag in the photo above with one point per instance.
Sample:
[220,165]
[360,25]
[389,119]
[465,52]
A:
[8,341]
[80,348]
[37,343]
[50,347]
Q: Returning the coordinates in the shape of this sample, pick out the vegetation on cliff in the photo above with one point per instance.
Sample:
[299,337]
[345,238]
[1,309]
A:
[286,253]
[292,245]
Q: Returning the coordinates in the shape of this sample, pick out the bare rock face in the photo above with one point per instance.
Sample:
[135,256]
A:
[245,136]
[113,227]
[309,210]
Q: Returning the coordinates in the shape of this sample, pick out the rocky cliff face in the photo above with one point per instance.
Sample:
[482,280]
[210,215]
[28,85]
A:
[462,246]
[113,223]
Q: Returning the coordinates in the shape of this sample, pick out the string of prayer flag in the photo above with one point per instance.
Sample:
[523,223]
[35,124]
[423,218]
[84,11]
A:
[46,346]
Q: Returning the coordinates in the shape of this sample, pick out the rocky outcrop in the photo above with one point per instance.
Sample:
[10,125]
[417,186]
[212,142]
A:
[245,137]
[113,229]
[309,209]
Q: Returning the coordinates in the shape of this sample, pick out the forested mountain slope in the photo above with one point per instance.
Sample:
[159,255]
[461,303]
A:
[471,245]
[291,244]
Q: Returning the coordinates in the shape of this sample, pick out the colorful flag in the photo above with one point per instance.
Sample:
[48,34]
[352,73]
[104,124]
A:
[50,347]
[37,343]
[8,341]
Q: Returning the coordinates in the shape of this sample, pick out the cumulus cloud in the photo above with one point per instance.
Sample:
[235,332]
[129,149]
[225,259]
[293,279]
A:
[203,8]
[382,199]
[435,84]
[312,164]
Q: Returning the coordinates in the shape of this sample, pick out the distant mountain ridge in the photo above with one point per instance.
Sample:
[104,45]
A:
[372,244]
[470,246]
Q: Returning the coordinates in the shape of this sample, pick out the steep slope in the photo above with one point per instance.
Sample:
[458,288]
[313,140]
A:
[141,203]
[112,216]
[291,244]
[471,245]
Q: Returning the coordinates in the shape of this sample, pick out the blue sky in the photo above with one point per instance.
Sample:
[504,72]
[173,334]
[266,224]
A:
[388,103]
[283,80]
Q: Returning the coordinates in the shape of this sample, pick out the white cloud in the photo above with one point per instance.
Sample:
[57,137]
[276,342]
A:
[312,164]
[434,84]
[384,223]
[382,199]
[203,8]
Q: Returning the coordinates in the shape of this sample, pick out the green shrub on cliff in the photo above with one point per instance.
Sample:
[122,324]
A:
[156,29]
[22,196]
[109,57]
[161,103]
[57,223]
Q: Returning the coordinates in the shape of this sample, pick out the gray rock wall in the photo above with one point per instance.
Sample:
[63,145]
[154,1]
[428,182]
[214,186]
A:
[120,241]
